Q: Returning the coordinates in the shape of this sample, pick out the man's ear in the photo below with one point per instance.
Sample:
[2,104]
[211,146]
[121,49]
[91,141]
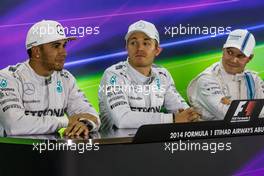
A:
[159,49]
[250,57]
[35,52]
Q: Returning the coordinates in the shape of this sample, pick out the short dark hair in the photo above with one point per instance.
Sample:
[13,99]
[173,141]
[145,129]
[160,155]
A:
[156,44]
[29,52]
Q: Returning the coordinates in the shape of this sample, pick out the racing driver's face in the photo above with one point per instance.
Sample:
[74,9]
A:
[52,55]
[141,50]
[234,61]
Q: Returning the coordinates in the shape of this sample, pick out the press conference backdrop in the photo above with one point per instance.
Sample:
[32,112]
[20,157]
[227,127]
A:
[191,32]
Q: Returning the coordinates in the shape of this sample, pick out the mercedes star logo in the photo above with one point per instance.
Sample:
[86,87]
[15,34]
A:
[29,88]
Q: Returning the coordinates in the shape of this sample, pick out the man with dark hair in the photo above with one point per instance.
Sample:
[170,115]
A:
[36,95]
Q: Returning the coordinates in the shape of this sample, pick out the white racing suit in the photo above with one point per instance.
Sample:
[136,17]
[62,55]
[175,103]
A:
[208,88]
[32,104]
[128,99]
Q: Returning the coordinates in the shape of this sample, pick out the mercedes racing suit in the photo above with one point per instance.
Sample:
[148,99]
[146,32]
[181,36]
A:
[208,88]
[32,104]
[128,99]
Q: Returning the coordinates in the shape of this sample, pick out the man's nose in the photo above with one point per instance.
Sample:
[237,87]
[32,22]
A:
[140,46]
[235,59]
[63,51]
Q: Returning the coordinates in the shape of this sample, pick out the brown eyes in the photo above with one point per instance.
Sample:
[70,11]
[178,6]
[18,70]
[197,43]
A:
[58,45]
[231,53]
[144,43]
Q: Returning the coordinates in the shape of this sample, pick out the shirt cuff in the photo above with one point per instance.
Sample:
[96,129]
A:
[63,122]
[167,118]
[90,123]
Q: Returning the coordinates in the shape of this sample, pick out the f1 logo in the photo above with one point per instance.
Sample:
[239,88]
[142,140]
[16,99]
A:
[245,108]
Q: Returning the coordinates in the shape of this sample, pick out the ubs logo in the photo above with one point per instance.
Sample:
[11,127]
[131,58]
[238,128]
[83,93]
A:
[29,88]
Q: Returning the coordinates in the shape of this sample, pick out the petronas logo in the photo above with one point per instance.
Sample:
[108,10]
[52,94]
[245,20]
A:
[113,80]
[59,87]
[3,83]
[158,83]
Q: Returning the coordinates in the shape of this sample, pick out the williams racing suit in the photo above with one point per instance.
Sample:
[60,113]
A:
[128,99]
[32,104]
[208,88]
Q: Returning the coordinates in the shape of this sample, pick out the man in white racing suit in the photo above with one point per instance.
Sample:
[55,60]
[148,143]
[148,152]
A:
[212,91]
[36,95]
[136,92]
